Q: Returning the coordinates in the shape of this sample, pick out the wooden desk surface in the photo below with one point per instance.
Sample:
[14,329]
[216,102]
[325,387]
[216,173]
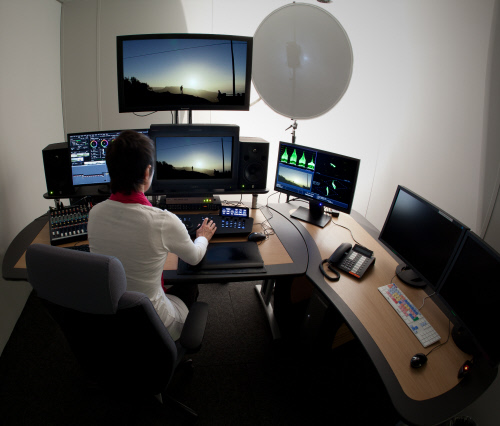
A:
[272,250]
[390,333]
[426,396]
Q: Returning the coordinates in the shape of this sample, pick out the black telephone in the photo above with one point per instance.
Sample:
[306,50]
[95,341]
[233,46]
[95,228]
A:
[354,260]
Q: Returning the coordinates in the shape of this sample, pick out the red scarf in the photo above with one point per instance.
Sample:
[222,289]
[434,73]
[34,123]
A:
[133,198]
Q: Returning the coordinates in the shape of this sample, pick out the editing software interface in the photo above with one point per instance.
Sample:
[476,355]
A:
[88,156]
[317,175]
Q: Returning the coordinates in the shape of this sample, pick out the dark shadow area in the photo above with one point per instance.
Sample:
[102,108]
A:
[240,376]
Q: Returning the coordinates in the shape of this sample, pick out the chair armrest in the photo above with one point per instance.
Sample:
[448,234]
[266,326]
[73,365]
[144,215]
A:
[194,327]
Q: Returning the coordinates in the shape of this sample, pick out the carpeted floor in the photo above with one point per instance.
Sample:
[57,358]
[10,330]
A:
[240,376]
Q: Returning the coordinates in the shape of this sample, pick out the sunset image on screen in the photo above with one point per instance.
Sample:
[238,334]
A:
[193,157]
[183,71]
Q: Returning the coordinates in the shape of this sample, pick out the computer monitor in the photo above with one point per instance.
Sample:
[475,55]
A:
[470,289]
[195,159]
[322,178]
[423,236]
[168,72]
[88,156]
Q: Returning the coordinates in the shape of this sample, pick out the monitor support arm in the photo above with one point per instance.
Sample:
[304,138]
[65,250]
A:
[293,127]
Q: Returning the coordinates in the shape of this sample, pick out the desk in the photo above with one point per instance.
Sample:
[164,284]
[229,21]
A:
[425,396]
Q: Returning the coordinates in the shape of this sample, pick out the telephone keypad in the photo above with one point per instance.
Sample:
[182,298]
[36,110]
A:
[355,263]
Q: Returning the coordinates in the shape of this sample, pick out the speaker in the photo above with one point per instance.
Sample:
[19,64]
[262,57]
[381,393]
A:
[57,165]
[252,168]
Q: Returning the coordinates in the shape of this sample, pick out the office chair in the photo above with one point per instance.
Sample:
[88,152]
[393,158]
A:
[116,335]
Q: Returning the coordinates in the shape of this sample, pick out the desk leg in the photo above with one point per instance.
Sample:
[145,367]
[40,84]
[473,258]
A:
[321,323]
[265,292]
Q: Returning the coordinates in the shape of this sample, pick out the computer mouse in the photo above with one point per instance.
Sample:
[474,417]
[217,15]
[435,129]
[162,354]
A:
[256,236]
[418,360]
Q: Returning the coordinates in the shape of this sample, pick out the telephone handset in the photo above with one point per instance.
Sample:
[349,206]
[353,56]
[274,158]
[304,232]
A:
[354,260]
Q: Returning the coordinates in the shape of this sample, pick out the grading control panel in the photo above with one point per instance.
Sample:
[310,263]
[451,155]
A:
[68,224]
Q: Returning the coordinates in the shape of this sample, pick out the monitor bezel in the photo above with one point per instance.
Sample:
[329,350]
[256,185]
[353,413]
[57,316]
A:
[196,187]
[382,239]
[458,317]
[323,203]
[144,131]
[123,107]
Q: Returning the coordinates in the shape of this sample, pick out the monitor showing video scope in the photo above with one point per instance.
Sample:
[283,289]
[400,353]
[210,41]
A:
[88,156]
[322,178]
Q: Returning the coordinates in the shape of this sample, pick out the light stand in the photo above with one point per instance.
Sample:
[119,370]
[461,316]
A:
[293,127]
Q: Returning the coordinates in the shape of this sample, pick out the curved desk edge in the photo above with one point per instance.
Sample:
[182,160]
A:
[17,248]
[290,237]
[427,412]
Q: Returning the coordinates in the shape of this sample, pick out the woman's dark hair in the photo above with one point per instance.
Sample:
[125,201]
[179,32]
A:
[127,158]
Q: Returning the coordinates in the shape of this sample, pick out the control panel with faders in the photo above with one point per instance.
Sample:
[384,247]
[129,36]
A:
[68,224]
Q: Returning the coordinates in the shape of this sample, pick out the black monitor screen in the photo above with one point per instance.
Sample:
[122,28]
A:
[471,290]
[421,235]
[320,177]
[165,72]
[88,156]
[197,159]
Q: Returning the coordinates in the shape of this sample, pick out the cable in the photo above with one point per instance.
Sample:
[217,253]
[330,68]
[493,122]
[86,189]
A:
[144,115]
[345,227]
[446,341]
[234,203]
[274,193]
[423,300]
[267,228]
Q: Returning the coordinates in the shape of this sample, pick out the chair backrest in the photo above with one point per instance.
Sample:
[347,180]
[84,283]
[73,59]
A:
[116,335]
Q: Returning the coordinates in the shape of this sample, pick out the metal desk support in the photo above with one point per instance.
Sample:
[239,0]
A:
[265,292]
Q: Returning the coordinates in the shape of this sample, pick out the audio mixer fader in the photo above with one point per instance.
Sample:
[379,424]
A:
[68,224]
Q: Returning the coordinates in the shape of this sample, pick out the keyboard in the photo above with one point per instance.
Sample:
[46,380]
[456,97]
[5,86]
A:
[82,247]
[226,225]
[415,321]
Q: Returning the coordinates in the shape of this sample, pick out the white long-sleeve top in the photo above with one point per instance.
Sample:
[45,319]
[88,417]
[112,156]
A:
[141,237]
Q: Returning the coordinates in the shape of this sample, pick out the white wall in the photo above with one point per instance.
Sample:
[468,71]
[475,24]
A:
[490,156]
[414,112]
[30,119]
[30,108]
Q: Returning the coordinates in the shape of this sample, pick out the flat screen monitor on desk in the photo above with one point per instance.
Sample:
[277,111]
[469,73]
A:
[195,159]
[423,236]
[322,178]
[88,156]
[470,288]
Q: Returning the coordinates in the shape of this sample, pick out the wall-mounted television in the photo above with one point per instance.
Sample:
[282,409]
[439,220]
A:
[171,72]
[195,159]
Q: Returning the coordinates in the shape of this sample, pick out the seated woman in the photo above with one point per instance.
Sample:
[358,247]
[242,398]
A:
[128,227]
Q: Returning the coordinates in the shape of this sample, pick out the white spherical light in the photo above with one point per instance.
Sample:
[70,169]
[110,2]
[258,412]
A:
[302,61]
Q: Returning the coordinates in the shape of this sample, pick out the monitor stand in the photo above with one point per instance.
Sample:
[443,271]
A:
[463,339]
[104,189]
[408,276]
[314,215]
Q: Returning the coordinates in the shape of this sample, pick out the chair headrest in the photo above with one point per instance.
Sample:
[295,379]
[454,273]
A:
[87,282]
